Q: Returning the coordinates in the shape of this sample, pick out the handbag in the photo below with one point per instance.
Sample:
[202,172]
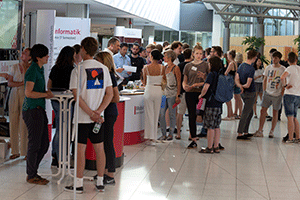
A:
[201,107]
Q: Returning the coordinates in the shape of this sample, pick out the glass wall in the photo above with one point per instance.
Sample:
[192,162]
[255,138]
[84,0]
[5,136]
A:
[190,37]
[273,27]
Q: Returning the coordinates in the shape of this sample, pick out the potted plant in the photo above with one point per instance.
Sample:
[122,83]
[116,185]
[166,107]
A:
[255,43]
[297,42]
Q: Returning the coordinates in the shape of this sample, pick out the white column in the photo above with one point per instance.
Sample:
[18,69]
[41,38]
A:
[216,33]
[148,31]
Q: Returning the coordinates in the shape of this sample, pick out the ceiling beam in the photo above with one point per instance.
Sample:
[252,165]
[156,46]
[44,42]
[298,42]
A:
[286,5]
[254,15]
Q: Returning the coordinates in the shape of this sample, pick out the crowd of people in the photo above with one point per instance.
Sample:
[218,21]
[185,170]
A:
[175,78]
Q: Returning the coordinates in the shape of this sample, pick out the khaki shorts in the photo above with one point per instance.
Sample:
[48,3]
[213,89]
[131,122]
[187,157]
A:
[181,108]
[268,100]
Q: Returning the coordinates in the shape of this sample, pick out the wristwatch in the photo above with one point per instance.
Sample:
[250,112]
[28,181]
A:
[179,95]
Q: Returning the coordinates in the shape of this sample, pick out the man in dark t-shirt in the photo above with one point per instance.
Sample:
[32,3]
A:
[244,79]
[136,61]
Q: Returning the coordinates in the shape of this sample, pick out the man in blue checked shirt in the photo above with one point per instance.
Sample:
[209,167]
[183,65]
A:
[122,59]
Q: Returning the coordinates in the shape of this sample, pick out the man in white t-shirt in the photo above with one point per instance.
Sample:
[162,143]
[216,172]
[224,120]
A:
[291,98]
[272,95]
[95,95]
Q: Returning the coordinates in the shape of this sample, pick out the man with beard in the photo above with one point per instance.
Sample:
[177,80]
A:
[136,61]
[113,46]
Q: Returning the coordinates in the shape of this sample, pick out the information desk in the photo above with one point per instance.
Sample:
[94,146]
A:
[90,154]
[134,118]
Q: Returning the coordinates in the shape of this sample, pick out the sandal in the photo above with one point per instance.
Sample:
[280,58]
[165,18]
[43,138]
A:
[14,156]
[206,150]
[216,150]
[238,117]
[177,137]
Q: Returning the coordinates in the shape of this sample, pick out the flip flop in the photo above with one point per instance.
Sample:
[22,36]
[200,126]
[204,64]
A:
[14,156]
[177,137]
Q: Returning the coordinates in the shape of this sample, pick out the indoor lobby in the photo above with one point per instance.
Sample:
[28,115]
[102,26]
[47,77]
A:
[261,168]
[255,169]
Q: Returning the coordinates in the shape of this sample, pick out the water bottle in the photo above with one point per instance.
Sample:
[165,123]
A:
[97,127]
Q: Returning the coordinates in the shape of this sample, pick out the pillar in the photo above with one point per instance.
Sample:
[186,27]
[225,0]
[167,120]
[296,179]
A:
[148,31]
[260,33]
[204,42]
[78,10]
[226,38]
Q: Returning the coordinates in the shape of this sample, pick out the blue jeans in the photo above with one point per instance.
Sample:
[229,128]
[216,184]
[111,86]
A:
[291,104]
[172,114]
[55,142]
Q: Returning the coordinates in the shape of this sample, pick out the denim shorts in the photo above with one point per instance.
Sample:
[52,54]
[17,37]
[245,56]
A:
[291,104]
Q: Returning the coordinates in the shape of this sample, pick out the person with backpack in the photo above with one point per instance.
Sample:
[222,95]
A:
[244,79]
[213,108]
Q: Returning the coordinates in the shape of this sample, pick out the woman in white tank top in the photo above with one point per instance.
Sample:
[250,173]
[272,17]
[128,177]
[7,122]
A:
[153,74]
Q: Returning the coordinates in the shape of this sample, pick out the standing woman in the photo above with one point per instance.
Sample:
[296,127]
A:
[193,80]
[230,71]
[17,127]
[59,79]
[258,81]
[172,92]
[110,117]
[153,75]
[34,113]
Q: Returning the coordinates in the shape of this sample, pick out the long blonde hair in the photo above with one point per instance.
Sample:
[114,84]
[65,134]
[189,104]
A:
[106,59]
[27,65]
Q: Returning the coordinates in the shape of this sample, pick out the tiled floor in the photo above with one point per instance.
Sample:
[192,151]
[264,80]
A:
[262,168]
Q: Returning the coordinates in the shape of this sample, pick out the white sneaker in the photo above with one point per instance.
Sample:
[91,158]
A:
[271,134]
[258,134]
[290,141]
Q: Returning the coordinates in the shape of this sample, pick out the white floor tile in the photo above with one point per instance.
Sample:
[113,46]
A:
[262,168]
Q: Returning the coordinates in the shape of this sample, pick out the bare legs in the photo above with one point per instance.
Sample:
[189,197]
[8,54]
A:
[179,120]
[100,159]
[213,137]
[238,105]
[293,127]
[254,106]
[229,109]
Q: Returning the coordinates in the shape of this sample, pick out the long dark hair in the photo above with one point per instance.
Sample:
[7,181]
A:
[65,57]
[255,64]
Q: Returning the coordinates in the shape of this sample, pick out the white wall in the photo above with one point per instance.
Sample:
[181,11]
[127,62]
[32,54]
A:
[216,32]
[164,12]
